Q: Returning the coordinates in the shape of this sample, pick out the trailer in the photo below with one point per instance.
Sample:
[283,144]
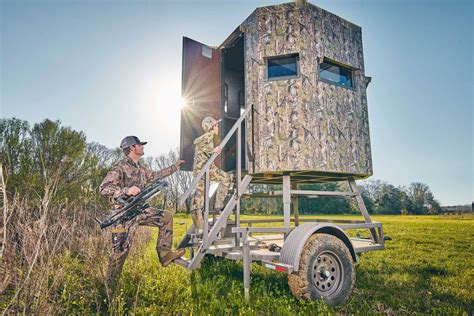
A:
[290,87]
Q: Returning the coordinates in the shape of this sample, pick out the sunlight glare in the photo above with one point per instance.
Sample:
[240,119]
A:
[169,97]
[183,103]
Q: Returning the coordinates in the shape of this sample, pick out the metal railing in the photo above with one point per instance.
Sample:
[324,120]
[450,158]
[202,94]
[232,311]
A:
[204,172]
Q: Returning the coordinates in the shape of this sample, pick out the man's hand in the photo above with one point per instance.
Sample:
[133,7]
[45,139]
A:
[178,163]
[217,150]
[133,191]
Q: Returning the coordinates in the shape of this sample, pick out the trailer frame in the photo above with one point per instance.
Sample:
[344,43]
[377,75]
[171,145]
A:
[232,240]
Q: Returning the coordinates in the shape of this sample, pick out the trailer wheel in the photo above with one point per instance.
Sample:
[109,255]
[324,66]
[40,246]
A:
[326,270]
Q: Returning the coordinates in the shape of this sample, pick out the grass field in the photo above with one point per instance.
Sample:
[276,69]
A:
[427,268]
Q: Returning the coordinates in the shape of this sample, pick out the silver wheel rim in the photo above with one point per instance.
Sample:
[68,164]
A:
[327,273]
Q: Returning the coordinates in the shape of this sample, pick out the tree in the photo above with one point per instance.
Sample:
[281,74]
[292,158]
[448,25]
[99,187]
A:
[422,199]
[324,205]
[369,203]
[178,182]
[382,197]
[101,160]
[15,154]
[60,161]
[407,205]
[47,163]
[390,201]
[431,204]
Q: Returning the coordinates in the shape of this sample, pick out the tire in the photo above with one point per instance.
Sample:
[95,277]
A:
[326,271]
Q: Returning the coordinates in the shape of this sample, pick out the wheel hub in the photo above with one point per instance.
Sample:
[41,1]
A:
[327,273]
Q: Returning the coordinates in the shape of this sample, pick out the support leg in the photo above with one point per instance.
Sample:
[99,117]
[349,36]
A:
[295,205]
[237,223]
[362,208]
[246,263]
[286,201]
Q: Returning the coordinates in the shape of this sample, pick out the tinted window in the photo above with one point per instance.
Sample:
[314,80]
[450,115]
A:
[282,67]
[334,73]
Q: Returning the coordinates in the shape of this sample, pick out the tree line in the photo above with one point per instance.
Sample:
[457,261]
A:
[379,197]
[50,163]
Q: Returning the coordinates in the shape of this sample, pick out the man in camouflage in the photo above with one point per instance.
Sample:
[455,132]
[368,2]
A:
[204,148]
[127,178]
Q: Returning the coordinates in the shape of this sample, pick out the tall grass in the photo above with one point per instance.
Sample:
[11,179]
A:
[427,268]
[44,261]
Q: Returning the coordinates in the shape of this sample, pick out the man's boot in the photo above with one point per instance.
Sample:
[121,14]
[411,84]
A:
[171,256]
[198,221]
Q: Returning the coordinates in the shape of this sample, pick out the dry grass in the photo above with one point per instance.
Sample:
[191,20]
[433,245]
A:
[57,266]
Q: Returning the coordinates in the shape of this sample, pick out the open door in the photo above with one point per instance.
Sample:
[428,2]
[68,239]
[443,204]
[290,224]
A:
[201,90]
[233,78]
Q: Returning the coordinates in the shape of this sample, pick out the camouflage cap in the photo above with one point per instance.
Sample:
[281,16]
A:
[208,123]
[130,141]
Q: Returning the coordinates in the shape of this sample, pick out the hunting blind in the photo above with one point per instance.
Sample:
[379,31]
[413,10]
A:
[290,87]
[302,70]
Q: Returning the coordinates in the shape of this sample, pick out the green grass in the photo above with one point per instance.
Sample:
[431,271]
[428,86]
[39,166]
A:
[427,268]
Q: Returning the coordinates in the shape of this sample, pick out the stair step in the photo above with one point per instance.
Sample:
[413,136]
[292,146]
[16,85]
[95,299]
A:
[182,262]
[198,242]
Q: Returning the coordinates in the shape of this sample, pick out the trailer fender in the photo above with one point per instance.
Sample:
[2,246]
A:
[294,243]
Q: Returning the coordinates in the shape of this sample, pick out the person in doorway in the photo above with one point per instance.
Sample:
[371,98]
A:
[204,148]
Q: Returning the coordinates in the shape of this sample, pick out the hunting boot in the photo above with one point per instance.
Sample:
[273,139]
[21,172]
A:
[171,256]
[198,221]
[165,240]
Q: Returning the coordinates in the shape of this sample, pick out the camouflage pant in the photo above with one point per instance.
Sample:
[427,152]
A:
[216,175]
[122,237]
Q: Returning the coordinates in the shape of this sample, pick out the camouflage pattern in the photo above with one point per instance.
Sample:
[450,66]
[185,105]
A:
[304,124]
[123,175]
[204,146]
[203,150]
[122,237]
[208,123]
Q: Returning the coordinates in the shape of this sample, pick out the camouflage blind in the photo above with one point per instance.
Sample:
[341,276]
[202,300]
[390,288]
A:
[302,68]
[313,122]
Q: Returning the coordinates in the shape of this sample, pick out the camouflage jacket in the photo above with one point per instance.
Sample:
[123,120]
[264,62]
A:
[203,150]
[125,174]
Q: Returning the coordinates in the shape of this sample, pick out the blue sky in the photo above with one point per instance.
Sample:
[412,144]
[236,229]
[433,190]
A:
[113,68]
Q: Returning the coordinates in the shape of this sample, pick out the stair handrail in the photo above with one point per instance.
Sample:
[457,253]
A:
[211,159]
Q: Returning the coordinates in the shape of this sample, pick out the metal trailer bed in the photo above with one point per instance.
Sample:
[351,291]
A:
[258,246]
[317,254]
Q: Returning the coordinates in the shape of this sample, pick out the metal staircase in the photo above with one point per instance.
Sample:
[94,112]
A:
[229,239]
[210,234]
